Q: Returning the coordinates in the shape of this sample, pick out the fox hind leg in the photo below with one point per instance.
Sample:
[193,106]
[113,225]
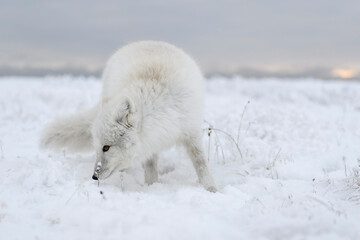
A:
[194,148]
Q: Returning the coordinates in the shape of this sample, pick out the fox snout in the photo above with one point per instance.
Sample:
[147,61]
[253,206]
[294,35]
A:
[97,171]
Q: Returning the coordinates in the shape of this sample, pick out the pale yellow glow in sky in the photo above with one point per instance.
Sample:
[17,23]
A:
[344,73]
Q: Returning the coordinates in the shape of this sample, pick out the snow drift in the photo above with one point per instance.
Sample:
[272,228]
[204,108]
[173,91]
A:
[285,155]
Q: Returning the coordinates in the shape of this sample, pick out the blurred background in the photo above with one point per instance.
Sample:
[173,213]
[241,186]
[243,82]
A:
[284,39]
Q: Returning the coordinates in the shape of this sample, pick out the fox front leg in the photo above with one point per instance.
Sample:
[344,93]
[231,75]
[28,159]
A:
[150,170]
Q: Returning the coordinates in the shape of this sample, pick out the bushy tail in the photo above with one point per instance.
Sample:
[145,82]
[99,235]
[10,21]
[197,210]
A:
[72,132]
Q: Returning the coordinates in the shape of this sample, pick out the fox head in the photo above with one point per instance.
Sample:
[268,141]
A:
[115,137]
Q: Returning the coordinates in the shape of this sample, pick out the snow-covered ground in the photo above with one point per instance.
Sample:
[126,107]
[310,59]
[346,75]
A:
[298,177]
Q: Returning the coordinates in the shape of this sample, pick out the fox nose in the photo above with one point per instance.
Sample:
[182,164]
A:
[94,177]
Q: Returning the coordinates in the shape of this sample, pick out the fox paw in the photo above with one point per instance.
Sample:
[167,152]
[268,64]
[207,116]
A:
[212,189]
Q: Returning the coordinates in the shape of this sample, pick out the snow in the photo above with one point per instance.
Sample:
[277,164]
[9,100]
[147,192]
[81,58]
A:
[298,177]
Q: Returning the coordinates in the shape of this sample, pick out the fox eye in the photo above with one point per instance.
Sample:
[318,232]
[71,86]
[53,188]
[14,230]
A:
[106,148]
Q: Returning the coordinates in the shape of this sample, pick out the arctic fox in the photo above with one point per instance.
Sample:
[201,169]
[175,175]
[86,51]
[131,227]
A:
[152,99]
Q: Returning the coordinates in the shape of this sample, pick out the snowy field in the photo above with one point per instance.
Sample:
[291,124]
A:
[297,178]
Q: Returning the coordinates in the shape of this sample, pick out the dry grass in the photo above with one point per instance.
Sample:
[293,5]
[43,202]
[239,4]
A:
[353,183]
[218,133]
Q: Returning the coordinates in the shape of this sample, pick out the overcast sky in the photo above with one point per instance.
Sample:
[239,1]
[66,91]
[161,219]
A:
[254,38]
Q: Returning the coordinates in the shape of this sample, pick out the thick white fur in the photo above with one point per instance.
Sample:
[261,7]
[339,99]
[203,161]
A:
[152,99]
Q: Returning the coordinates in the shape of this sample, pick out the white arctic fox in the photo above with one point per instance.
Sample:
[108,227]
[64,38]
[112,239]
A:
[152,98]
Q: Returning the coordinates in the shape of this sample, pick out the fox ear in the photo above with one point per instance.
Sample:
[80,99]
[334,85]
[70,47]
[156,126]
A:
[130,115]
[126,114]
[129,106]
